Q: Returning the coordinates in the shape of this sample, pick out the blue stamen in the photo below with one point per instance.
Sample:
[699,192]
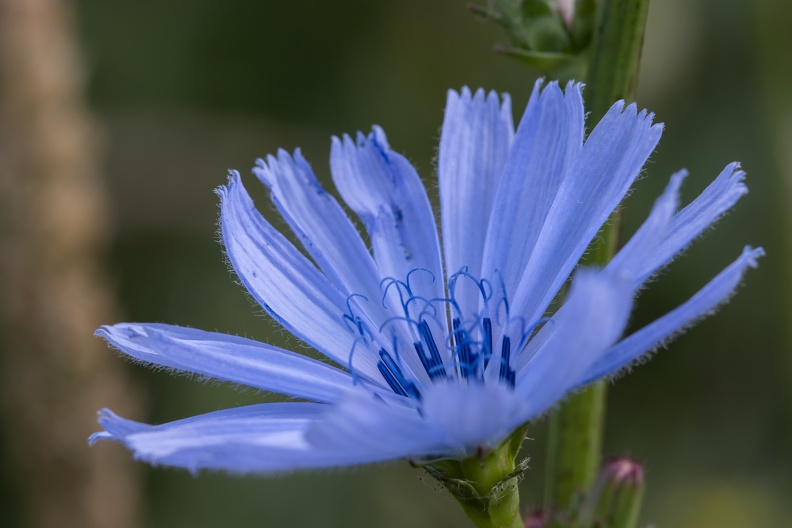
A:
[467,358]
[399,285]
[428,310]
[409,275]
[507,373]
[350,318]
[355,378]
[352,296]
[394,385]
[486,351]
[504,301]
[395,378]
[434,363]
[357,323]
[480,284]
[433,369]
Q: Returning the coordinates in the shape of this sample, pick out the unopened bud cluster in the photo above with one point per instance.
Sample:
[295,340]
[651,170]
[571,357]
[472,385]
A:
[549,35]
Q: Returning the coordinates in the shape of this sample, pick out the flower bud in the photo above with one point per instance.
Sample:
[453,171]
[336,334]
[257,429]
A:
[566,8]
[616,496]
[537,519]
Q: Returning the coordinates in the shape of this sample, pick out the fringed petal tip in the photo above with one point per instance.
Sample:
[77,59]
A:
[376,137]
[571,89]
[112,333]
[677,178]
[120,331]
[669,200]
[346,145]
[283,168]
[631,112]
[106,331]
[264,168]
[98,437]
[541,84]
[233,179]
[480,97]
[735,175]
[734,167]
[750,256]
[115,427]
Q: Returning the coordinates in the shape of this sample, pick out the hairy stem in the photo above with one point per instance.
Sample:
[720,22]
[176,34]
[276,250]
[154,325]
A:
[576,428]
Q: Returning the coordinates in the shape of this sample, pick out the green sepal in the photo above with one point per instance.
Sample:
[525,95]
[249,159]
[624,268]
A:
[540,37]
[543,27]
[561,66]
[486,484]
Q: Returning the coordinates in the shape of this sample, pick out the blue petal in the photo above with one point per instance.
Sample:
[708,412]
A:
[455,421]
[321,225]
[598,180]
[277,437]
[628,263]
[330,237]
[474,416]
[548,140]
[631,260]
[700,214]
[660,331]
[387,194]
[285,283]
[229,358]
[594,318]
[475,140]
[258,438]
[366,425]
[203,429]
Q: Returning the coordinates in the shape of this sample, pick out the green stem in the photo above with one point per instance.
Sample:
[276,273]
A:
[615,55]
[575,447]
[576,429]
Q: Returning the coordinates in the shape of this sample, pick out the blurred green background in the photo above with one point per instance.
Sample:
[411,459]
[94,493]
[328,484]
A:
[186,90]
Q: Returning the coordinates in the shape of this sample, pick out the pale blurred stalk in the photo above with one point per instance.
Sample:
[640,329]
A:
[53,227]
[576,428]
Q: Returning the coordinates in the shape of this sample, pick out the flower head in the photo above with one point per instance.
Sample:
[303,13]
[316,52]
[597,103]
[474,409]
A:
[439,351]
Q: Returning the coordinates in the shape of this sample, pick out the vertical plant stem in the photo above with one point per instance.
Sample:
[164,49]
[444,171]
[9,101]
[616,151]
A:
[576,428]
[615,55]
[772,20]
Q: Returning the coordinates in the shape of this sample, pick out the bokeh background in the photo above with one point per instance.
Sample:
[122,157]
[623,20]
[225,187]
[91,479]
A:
[175,93]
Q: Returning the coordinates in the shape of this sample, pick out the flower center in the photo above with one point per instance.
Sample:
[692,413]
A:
[464,354]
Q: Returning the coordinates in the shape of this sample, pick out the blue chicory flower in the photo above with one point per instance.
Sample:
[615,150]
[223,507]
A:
[431,361]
